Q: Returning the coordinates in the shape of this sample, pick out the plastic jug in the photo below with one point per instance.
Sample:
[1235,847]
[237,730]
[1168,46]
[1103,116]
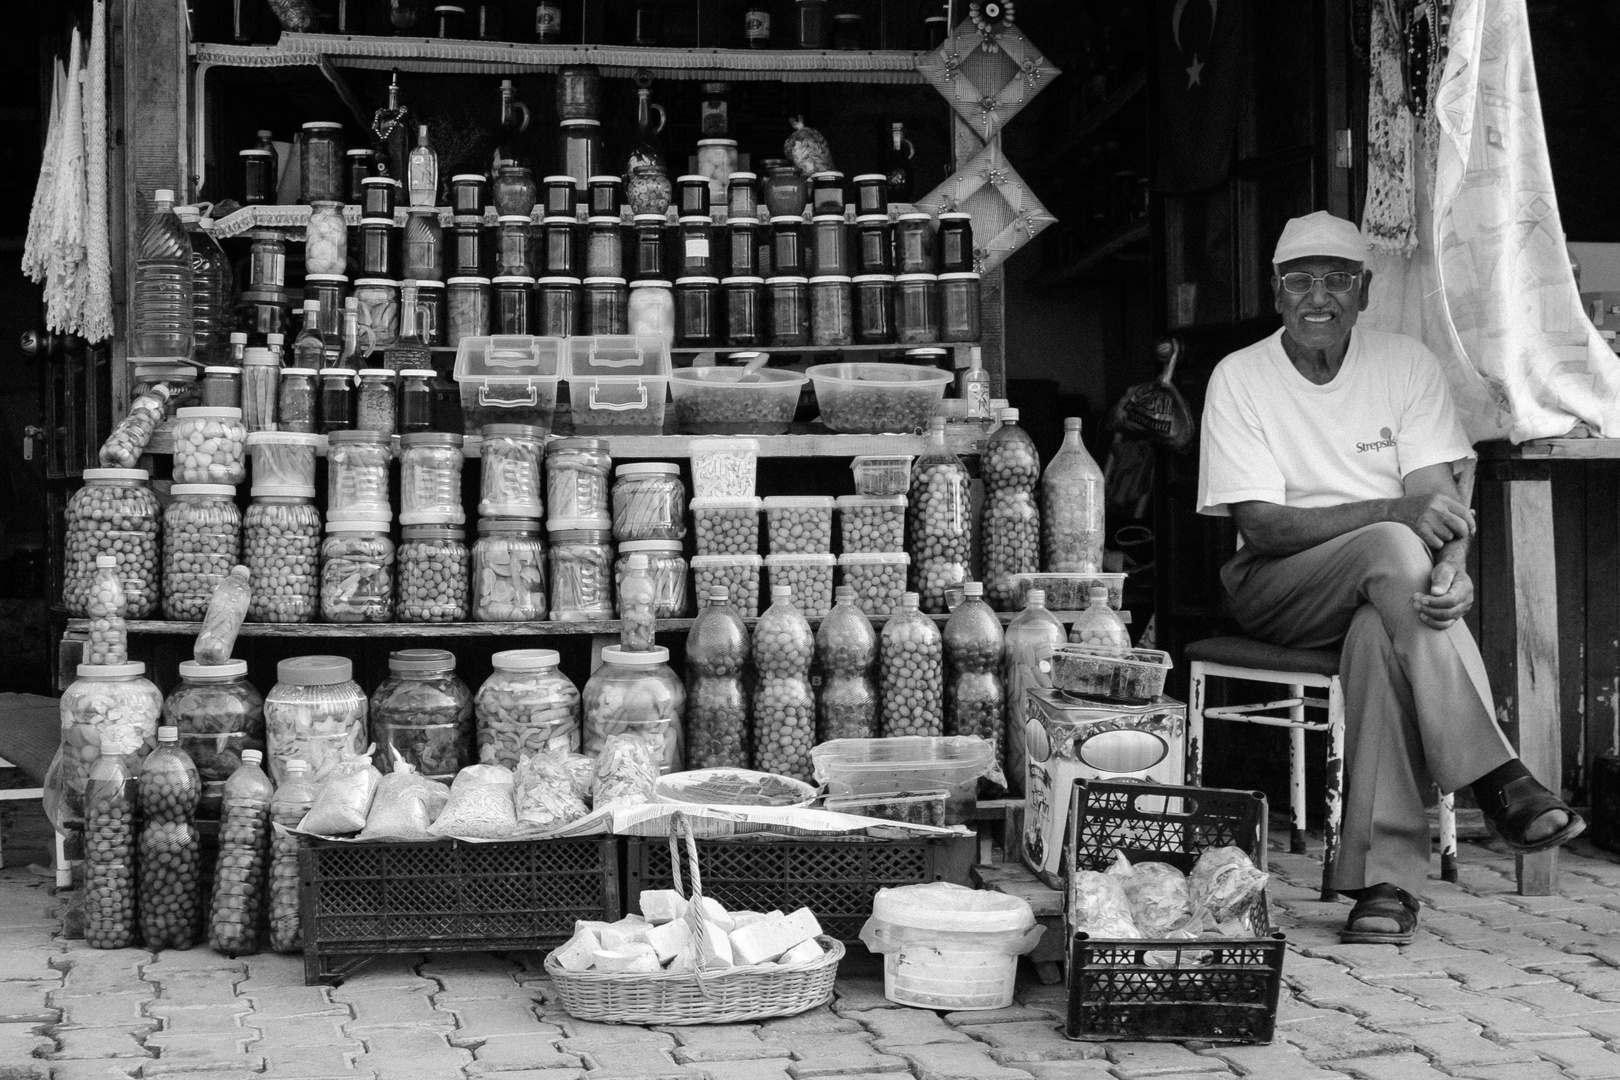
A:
[162,318]
[1072,508]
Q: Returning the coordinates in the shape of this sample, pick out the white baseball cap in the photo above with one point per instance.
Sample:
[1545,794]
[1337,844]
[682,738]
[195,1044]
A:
[1320,234]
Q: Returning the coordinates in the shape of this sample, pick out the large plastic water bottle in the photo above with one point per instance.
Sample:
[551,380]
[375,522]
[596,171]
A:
[162,319]
[210,300]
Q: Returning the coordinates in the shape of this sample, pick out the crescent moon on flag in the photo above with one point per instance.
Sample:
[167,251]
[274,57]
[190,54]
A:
[1175,20]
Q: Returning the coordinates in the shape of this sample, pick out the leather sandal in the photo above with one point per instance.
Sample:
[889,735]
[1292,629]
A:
[1521,804]
[1385,902]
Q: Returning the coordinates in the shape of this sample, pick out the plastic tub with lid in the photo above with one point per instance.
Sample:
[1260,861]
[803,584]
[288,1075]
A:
[949,947]
[618,384]
[910,764]
[509,379]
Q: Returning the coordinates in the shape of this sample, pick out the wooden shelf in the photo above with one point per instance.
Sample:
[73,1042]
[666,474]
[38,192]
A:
[510,58]
[166,628]
[1134,233]
[961,438]
[1096,118]
[814,350]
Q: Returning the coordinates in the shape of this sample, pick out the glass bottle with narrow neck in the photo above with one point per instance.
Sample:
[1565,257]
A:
[309,347]
[409,351]
[395,121]
[898,166]
[423,171]
[975,388]
[349,350]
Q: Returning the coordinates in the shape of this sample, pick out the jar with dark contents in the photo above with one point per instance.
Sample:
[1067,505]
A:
[258,176]
[827,193]
[789,323]
[955,242]
[450,21]
[361,164]
[559,197]
[557,301]
[692,196]
[469,192]
[829,246]
[337,400]
[959,306]
[604,248]
[696,247]
[742,243]
[321,162]
[415,400]
[832,311]
[556,248]
[379,256]
[916,309]
[695,307]
[465,247]
[649,247]
[222,387]
[467,301]
[606,305]
[513,304]
[378,197]
[514,252]
[742,196]
[430,312]
[267,260]
[914,244]
[424,246]
[874,309]
[377,406]
[871,195]
[787,247]
[329,291]
[296,409]
[745,310]
[602,196]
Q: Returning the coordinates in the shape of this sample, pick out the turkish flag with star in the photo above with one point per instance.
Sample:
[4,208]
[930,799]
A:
[1198,45]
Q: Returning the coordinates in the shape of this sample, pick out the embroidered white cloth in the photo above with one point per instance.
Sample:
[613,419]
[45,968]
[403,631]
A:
[1489,288]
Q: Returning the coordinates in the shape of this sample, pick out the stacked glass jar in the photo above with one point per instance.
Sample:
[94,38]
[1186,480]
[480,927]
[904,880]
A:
[423,713]
[526,706]
[509,556]
[357,555]
[114,513]
[434,565]
[579,526]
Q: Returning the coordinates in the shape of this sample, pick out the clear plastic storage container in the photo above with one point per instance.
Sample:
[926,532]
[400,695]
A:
[723,468]
[525,707]
[636,694]
[878,578]
[799,523]
[577,480]
[423,713]
[218,714]
[649,502]
[719,401]
[809,575]
[881,474]
[357,572]
[433,572]
[666,565]
[509,471]
[727,526]
[281,542]
[116,514]
[202,537]
[110,710]
[357,477]
[871,398]
[208,446]
[283,458]
[737,574]
[509,571]
[581,572]
[908,766]
[430,479]
[871,523]
[316,713]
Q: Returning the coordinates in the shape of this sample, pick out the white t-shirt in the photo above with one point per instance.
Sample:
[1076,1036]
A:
[1271,435]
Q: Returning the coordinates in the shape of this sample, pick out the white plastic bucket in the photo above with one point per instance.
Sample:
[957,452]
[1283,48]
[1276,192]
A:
[948,947]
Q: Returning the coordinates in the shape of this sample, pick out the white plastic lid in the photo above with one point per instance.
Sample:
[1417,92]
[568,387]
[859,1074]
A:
[830,279]
[375,373]
[601,219]
[661,547]
[512,279]
[209,412]
[376,525]
[512,219]
[163,195]
[616,654]
[222,369]
[1009,414]
[426,660]
[525,659]
[859,279]
[700,562]
[604,281]
[225,490]
[915,215]
[230,669]
[798,502]
[315,670]
[742,280]
[283,491]
[282,438]
[323,277]
[717,142]
[557,178]
[648,468]
[558,219]
[168,733]
[871,219]
[573,281]
[468,281]
[917,277]
[116,474]
[973,588]
[106,561]
[865,177]
[787,219]
[853,502]
[112,671]
[959,275]
[296,765]
[874,558]
[1035,596]
[739,175]
[417,373]
[727,502]
[652,283]
[252,757]
[696,281]
[602,178]
[839,218]
[361,283]
[578,525]
[256,355]
[802,558]
[781,592]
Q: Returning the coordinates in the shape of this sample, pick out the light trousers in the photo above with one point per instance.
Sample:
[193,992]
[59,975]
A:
[1418,707]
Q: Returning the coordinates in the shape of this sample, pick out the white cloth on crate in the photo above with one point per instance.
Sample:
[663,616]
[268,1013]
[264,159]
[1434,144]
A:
[1271,435]
[1489,288]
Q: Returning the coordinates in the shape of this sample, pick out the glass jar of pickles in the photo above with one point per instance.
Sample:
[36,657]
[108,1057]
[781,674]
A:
[465,253]
[557,303]
[509,472]
[832,311]
[604,249]
[433,574]
[666,565]
[422,713]
[430,312]
[916,309]
[467,305]
[874,308]
[788,257]
[789,323]
[696,247]
[513,304]
[745,310]
[577,480]
[357,572]
[606,306]
[581,572]
[557,248]
[509,571]
[872,251]
[695,310]
[959,306]
[336,395]
[651,310]
[649,246]
[377,300]
[525,707]
[914,244]
[296,408]
[649,502]
[430,479]
[514,247]
[357,477]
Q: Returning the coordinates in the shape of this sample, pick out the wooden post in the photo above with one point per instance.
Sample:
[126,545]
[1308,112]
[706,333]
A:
[1535,602]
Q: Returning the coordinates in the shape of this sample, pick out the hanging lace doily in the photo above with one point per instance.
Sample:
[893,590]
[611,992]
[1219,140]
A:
[1389,219]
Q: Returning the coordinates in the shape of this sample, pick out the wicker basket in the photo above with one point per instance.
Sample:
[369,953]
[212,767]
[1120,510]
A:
[753,992]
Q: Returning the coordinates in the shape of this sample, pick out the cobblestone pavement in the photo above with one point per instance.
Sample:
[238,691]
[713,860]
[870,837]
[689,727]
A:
[1497,987]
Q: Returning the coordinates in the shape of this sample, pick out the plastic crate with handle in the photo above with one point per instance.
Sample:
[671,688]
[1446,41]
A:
[1220,990]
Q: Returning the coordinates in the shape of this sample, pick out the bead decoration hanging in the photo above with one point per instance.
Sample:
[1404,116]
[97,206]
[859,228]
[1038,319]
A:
[987,69]
[1006,214]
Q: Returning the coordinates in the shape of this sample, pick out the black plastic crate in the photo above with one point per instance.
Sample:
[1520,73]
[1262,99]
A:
[836,879]
[1215,990]
[361,900]
[1605,831]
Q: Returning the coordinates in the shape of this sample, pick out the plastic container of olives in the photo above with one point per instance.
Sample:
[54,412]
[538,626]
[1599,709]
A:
[878,578]
[716,400]
[809,575]
[738,574]
[1068,592]
[865,398]
[799,523]
[726,526]
[882,474]
[872,523]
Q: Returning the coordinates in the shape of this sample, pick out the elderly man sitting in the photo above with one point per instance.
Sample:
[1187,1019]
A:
[1337,454]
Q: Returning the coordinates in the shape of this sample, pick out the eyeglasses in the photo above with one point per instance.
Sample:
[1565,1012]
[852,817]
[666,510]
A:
[1299,282]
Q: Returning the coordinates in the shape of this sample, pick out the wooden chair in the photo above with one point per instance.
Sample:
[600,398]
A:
[1295,669]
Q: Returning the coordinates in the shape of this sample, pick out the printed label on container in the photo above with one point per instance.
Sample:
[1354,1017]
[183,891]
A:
[697,247]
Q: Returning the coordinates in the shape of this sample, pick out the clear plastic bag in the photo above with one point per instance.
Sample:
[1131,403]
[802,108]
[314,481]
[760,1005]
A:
[405,805]
[344,797]
[480,806]
[626,772]
[1098,906]
[1226,883]
[545,794]
[1158,895]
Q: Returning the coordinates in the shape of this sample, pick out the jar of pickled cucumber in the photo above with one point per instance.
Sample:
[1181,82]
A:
[526,706]
[423,713]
